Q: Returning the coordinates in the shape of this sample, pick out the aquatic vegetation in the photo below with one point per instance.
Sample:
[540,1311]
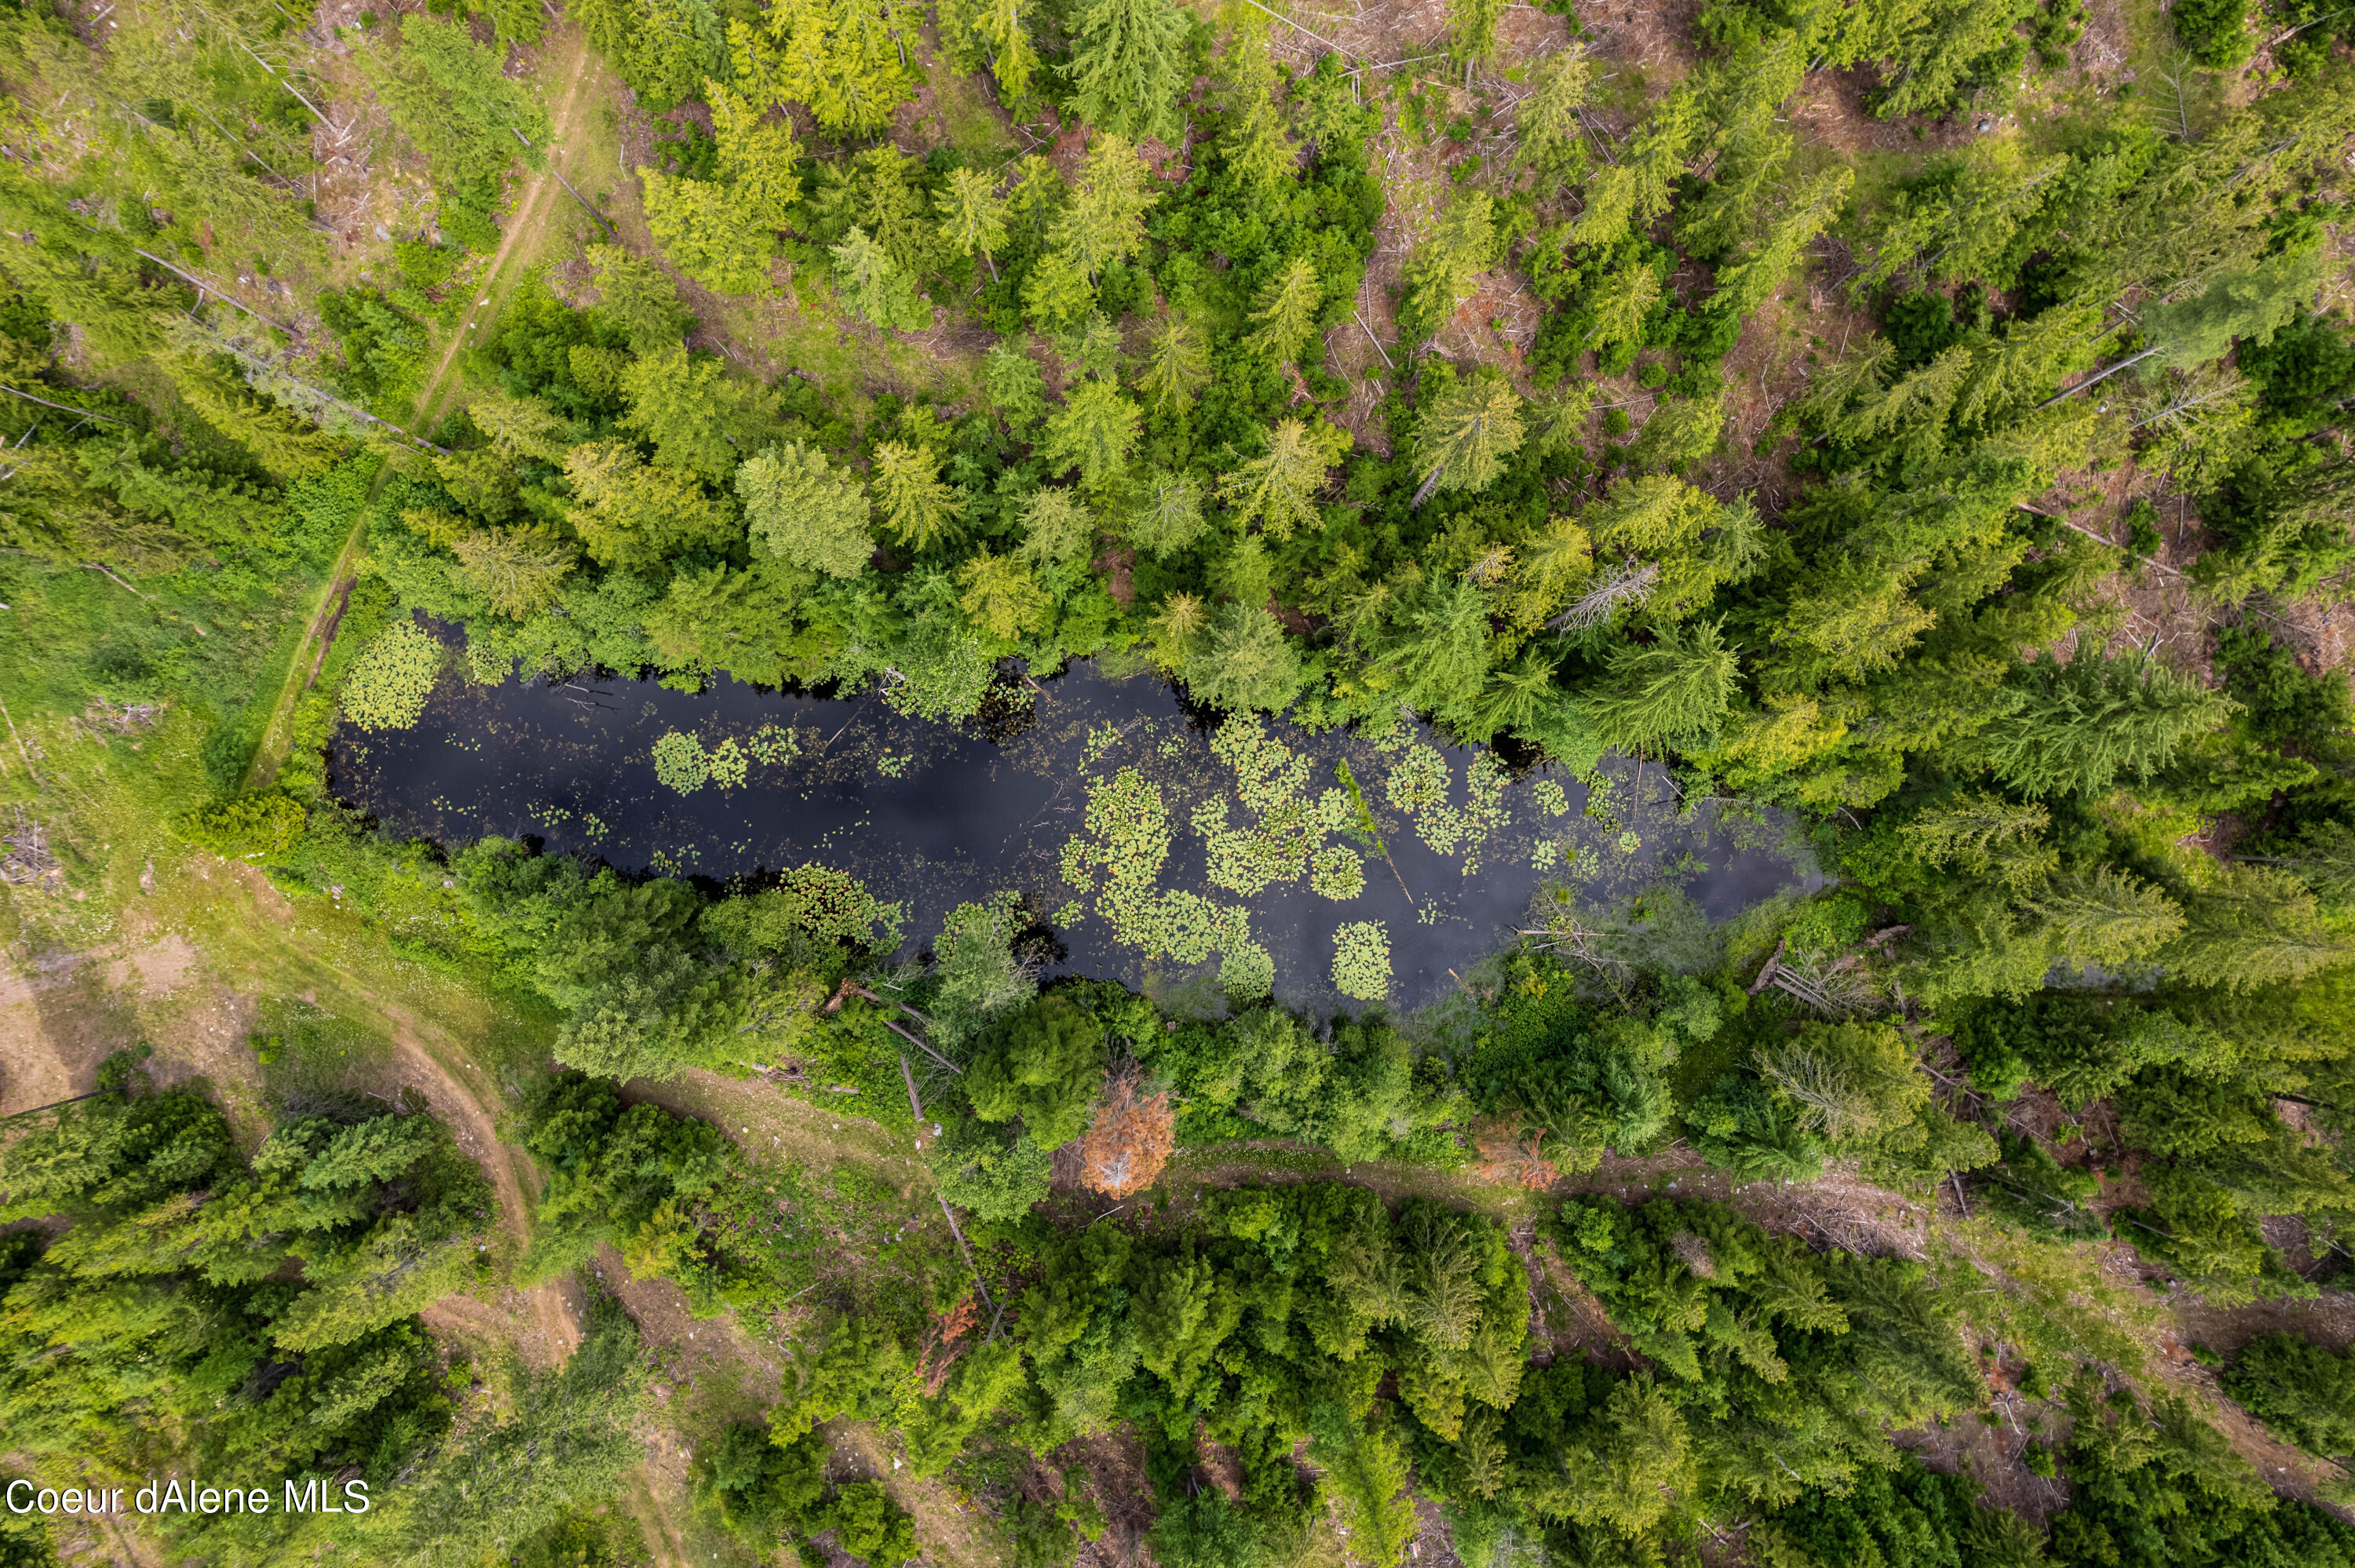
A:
[681,763]
[773,746]
[1551,798]
[1362,960]
[389,683]
[729,764]
[1337,872]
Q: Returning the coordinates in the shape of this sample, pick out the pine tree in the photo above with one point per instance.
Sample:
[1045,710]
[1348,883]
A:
[1176,365]
[1519,698]
[1128,71]
[1105,222]
[519,427]
[1286,312]
[1461,442]
[1244,662]
[1000,597]
[638,296]
[1278,490]
[1094,432]
[1675,692]
[1553,562]
[519,573]
[916,504]
[1439,275]
[1625,196]
[973,216]
[2104,917]
[1165,513]
[288,446]
[1057,292]
[1549,123]
[2083,723]
[803,511]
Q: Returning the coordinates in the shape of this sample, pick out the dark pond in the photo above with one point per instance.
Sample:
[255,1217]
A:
[933,815]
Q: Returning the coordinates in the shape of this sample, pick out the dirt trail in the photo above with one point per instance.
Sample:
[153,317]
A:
[477,1133]
[525,229]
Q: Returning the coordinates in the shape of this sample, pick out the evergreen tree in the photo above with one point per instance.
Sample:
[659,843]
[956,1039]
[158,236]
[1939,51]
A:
[1128,70]
[1057,526]
[1254,143]
[757,159]
[802,511]
[1278,490]
[2083,723]
[1437,652]
[1177,365]
[1105,220]
[873,286]
[1461,442]
[1165,513]
[638,296]
[1001,597]
[1016,390]
[1286,311]
[1243,662]
[1094,432]
[632,514]
[973,216]
[1548,121]
[1472,31]
[2104,917]
[1625,197]
[1673,692]
[698,226]
[2254,926]
[2300,1391]
[1439,275]
[519,574]
[916,504]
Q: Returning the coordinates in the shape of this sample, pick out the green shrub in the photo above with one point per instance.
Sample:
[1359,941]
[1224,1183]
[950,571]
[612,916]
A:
[265,825]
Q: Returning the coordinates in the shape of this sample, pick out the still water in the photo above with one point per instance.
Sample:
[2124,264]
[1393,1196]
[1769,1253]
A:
[933,815]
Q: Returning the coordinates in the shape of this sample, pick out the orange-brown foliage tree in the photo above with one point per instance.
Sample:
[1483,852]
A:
[1131,1138]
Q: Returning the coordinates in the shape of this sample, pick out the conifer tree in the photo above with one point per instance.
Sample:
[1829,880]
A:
[1105,222]
[1548,121]
[1285,316]
[2083,723]
[1439,274]
[1165,513]
[1672,692]
[1177,365]
[2254,926]
[1621,304]
[699,226]
[1001,597]
[1255,145]
[757,159]
[1012,58]
[915,503]
[1057,526]
[872,285]
[1243,661]
[803,510]
[520,573]
[2102,915]
[1017,389]
[1625,196]
[638,296]
[1278,490]
[1094,432]
[1463,442]
[1472,31]
[1128,73]
[973,216]
[1437,650]
[1746,283]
